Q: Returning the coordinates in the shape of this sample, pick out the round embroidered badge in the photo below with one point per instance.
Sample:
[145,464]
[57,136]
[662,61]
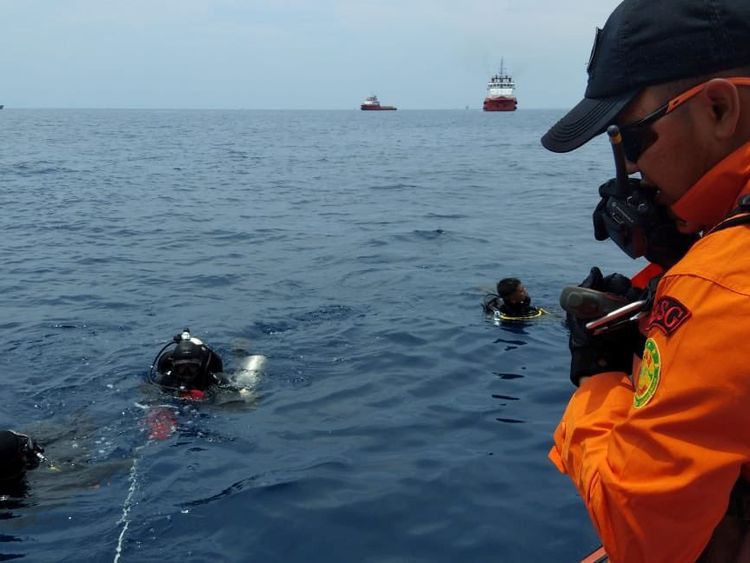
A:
[648,376]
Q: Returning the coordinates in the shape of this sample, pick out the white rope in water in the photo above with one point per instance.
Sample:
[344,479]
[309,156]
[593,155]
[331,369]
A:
[126,506]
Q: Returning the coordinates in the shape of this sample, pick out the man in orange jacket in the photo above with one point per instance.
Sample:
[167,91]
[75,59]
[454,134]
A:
[661,455]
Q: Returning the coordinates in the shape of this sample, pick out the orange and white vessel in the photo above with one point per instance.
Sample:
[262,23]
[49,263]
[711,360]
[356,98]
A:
[372,103]
[501,92]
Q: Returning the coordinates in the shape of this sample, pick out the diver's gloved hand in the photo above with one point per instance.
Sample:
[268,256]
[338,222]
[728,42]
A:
[610,351]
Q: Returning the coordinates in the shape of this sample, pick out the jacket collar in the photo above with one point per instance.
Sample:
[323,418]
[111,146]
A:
[716,194]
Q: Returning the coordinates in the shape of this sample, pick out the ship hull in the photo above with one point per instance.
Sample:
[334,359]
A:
[364,107]
[499,104]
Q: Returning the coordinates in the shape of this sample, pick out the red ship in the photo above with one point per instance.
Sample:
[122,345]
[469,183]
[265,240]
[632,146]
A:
[372,103]
[500,92]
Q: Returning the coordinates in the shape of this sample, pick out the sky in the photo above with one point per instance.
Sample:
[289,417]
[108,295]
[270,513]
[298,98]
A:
[292,54]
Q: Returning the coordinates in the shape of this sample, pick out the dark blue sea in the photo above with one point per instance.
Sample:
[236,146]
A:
[394,422]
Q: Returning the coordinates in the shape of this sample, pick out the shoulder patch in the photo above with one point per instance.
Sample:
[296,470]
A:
[668,315]
[648,375]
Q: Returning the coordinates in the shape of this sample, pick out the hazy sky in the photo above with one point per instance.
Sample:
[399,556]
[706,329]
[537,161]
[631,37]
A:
[278,54]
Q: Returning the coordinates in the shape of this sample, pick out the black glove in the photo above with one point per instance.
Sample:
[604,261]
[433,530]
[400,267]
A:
[610,351]
[613,283]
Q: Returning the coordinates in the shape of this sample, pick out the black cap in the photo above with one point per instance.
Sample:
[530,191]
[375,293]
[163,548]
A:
[646,42]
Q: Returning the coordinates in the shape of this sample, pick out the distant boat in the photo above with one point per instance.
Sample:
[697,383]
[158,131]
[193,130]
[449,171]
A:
[1,106]
[372,103]
[501,92]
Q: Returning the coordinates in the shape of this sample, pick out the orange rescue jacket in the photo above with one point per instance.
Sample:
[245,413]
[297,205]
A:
[656,458]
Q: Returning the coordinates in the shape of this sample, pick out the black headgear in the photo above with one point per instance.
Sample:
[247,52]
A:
[17,454]
[189,351]
[645,43]
[190,362]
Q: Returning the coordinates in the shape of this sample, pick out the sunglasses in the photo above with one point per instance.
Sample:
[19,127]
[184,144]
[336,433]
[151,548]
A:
[639,136]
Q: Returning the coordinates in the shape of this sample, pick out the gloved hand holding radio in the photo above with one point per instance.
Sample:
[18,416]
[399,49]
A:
[628,214]
[631,194]
[613,350]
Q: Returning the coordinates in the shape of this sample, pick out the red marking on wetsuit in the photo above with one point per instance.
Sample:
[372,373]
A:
[161,423]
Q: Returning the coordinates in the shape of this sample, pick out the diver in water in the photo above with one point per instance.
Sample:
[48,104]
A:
[193,370]
[18,454]
[512,300]
[190,368]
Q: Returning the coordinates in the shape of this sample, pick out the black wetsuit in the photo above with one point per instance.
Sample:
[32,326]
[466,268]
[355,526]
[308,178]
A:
[17,455]
[522,309]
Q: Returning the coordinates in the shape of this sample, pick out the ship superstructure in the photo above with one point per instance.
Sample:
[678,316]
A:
[501,92]
[372,103]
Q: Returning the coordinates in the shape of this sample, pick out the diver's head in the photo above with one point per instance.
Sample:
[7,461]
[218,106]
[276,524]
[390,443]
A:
[186,364]
[189,362]
[512,291]
[17,454]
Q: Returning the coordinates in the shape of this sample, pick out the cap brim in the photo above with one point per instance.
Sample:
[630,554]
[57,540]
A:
[584,122]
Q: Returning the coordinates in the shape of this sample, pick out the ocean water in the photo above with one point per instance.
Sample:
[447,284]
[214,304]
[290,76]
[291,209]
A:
[394,423]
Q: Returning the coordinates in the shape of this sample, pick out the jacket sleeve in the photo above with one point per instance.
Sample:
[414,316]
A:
[656,478]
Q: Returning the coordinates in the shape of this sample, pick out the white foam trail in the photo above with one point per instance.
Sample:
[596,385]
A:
[126,506]
[249,373]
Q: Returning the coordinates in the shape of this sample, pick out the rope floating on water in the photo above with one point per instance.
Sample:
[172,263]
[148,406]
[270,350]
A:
[126,506]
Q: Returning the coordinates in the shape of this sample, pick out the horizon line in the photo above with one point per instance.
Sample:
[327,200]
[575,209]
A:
[157,108]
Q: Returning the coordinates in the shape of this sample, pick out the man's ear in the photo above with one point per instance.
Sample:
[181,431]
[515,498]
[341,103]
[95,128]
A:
[722,100]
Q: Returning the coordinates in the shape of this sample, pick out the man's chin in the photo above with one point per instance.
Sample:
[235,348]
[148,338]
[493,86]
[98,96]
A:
[683,226]
[686,227]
